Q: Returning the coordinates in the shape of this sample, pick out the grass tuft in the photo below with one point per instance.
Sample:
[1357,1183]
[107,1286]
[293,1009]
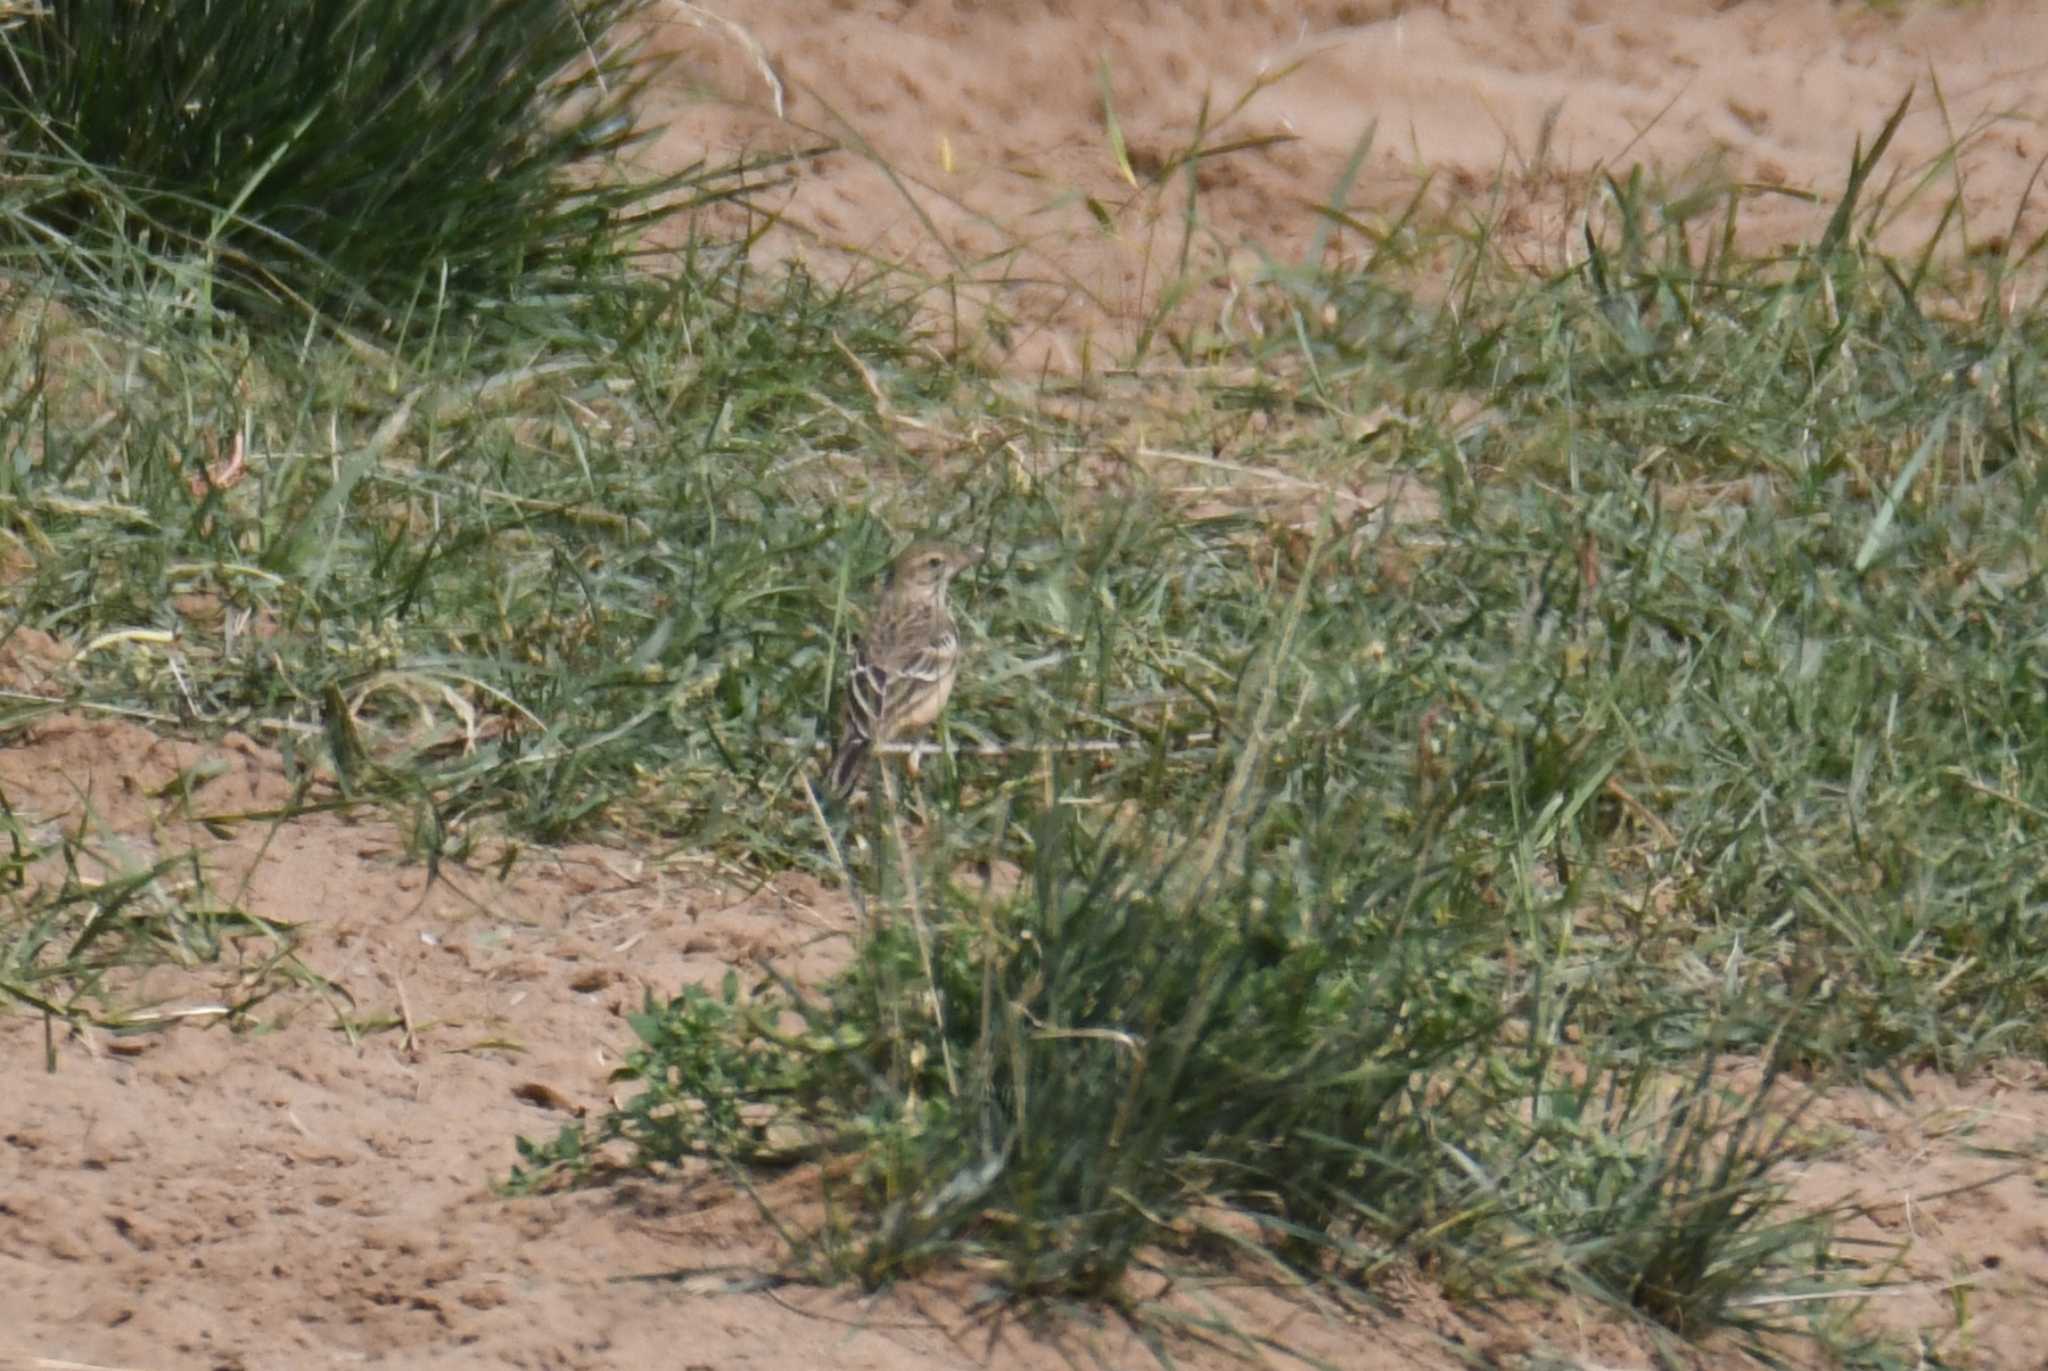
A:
[89,934]
[387,165]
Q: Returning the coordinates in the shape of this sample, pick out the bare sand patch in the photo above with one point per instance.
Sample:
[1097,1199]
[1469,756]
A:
[318,1191]
[974,145]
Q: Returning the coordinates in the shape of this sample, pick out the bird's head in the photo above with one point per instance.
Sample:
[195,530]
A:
[929,566]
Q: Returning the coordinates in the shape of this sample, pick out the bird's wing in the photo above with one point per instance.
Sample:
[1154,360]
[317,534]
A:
[867,689]
[893,669]
[925,661]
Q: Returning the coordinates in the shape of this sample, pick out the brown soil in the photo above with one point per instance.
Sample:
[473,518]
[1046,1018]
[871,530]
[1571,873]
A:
[974,144]
[306,1195]
[301,1196]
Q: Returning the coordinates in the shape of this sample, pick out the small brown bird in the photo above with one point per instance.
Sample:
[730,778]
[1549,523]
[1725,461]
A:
[906,662]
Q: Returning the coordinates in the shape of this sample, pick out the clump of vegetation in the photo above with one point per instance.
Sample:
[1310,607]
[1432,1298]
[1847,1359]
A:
[391,165]
[91,934]
[1496,865]
[1265,1063]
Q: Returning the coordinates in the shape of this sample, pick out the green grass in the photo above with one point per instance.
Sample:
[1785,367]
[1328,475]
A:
[1697,729]
[387,164]
[94,933]
[1478,889]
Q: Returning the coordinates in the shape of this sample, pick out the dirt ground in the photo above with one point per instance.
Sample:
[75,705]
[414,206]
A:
[301,1196]
[975,142]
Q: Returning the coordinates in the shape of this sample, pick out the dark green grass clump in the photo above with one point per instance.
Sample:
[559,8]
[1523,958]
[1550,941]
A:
[384,163]
[1252,1045]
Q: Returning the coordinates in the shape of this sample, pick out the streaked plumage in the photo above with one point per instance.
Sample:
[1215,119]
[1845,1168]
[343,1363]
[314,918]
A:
[905,665]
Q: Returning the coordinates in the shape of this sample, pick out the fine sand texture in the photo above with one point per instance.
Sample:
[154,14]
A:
[320,1192]
[973,142]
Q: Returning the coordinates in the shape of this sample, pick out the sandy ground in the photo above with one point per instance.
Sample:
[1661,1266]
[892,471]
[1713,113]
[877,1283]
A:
[975,138]
[301,1196]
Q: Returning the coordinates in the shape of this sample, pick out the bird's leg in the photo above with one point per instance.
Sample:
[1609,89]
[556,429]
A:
[913,790]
